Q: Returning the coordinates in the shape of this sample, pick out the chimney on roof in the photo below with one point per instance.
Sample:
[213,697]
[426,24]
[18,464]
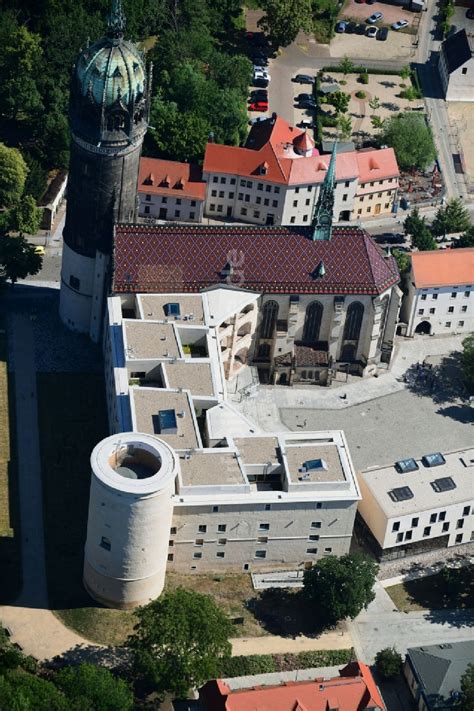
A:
[274,116]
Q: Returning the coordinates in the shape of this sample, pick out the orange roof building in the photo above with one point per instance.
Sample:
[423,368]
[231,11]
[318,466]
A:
[170,190]
[440,296]
[353,690]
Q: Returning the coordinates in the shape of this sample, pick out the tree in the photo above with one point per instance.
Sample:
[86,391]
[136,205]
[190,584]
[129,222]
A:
[467,362]
[346,66]
[18,259]
[90,687]
[340,587]
[25,217]
[374,103]
[283,19]
[411,139]
[453,217]
[388,663]
[467,689]
[405,73]
[19,62]
[377,122]
[13,172]
[467,239]
[402,260]
[20,691]
[179,641]
[344,125]
[416,227]
[340,101]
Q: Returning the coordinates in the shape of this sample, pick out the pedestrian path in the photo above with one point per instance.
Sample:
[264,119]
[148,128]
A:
[273,644]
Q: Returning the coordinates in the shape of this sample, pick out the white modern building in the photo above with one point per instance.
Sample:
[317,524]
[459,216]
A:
[185,482]
[414,505]
[440,297]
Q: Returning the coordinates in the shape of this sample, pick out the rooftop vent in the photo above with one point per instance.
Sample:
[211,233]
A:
[165,422]
[172,309]
[446,483]
[403,466]
[433,460]
[314,465]
[401,493]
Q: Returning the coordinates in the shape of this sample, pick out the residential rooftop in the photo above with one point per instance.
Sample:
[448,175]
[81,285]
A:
[258,450]
[428,487]
[211,468]
[148,403]
[439,667]
[144,341]
[160,307]
[168,177]
[196,377]
[443,267]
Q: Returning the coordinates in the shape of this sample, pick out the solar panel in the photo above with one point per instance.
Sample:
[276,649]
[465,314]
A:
[401,493]
[403,466]
[433,460]
[446,483]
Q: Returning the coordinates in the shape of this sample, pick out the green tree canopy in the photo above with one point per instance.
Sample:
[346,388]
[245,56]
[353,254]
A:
[344,125]
[21,691]
[18,258]
[411,139]
[403,262]
[91,687]
[25,217]
[340,101]
[19,69]
[467,239]
[467,361]
[453,217]
[467,689]
[283,19]
[416,227]
[346,65]
[340,587]
[179,641]
[13,172]
[388,663]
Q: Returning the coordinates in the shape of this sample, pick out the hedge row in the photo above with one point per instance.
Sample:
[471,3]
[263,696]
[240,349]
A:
[363,70]
[267,663]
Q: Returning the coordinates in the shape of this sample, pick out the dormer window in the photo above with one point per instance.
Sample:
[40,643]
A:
[149,180]
[263,168]
[165,183]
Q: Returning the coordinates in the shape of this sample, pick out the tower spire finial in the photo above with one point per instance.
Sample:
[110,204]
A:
[116,20]
[324,209]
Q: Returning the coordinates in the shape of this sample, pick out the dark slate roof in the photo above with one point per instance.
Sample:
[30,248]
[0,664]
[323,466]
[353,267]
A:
[439,668]
[166,258]
[457,50]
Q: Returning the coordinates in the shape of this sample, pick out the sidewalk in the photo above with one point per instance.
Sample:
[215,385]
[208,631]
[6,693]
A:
[280,645]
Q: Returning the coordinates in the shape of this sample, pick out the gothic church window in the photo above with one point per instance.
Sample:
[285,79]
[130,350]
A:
[312,322]
[269,317]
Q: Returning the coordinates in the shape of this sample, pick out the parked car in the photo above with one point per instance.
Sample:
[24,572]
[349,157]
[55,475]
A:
[350,29]
[375,18]
[304,97]
[260,58]
[360,29]
[382,34]
[470,13]
[259,95]
[399,25]
[306,123]
[257,119]
[262,74]
[341,26]
[258,106]
[303,79]
[307,104]
[371,32]
[261,83]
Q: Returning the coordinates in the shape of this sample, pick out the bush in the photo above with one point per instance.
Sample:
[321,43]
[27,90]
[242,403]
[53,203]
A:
[363,70]
[267,663]
[323,100]
[388,663]
[329,121]
[410,93]
[361,94]
[245,666]
[363,78]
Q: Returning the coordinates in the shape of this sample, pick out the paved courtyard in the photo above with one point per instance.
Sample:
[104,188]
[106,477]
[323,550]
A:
[461,117]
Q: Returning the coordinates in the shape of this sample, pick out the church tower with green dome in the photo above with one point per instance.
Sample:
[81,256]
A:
[108,116]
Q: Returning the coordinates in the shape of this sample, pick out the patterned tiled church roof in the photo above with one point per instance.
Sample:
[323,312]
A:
[172,258]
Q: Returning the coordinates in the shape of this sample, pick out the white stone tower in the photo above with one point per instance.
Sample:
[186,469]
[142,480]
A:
[130,512]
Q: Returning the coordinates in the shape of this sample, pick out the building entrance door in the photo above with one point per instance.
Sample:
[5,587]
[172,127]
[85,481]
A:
[163,213]
[377,209]
[229,211]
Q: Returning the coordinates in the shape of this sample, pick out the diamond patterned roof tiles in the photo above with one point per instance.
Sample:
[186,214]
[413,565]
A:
[167,258]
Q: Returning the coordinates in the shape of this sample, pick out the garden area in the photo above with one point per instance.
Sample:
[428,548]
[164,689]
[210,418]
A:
[451,588]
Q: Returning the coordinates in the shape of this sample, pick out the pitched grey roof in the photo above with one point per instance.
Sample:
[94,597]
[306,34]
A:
[439,668]
[457,50]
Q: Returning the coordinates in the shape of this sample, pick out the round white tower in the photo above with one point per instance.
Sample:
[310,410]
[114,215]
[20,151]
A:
[130,512]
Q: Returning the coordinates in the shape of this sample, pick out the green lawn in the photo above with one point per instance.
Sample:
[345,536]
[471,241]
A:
[449,589]
[110,627]
[72,419]
[10,549]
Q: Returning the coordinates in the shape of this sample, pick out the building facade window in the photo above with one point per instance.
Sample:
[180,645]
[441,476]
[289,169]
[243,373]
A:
[312,322]
[269,318]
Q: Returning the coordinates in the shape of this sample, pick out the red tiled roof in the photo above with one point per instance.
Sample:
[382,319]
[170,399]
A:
[443,267]
[376,164]
[169,177]
[167,258]
[310,356]
[304,142]
[353,690]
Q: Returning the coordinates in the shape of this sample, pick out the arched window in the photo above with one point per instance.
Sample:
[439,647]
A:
[269,317]
[312,322]
[355,314]
[383,319]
